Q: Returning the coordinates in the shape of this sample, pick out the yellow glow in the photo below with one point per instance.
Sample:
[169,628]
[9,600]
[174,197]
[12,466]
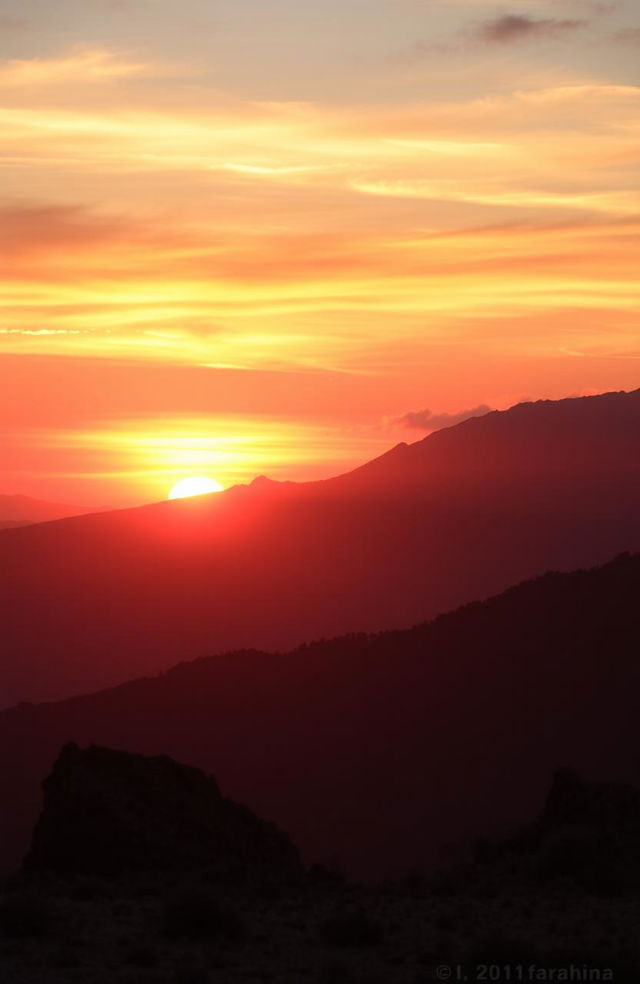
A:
[188,487]
[153,454]
[287,235]
[84,64]
[281,261]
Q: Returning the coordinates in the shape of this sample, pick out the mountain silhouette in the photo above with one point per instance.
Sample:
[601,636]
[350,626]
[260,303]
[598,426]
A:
[91,601]
[21,510]
[382,749]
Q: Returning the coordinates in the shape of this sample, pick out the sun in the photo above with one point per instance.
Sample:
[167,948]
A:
[194,486]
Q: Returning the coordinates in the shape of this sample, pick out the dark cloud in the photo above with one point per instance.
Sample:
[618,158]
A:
[628,35]
[518,27]
[425,420]
[506,29]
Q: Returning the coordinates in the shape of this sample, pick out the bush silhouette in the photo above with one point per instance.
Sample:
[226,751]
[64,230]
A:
[191,975]
[24,915]
[142,956]
[352,928]
[500,948]
[199,915]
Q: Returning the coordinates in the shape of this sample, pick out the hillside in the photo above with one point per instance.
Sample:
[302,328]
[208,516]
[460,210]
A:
[90,601]
[22,510]
[380,750]
[11,524]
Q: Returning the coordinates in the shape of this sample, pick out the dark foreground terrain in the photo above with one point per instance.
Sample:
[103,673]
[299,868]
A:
[209,892]
[92,932]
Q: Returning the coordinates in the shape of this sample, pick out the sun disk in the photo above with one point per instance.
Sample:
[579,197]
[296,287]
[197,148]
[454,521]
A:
[187,487]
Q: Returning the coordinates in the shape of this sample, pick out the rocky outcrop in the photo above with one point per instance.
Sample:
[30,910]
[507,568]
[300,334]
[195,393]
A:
[586,836]
[589,834]
[574,801]
[111,812]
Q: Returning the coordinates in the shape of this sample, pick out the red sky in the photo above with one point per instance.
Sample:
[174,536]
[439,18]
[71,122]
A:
[249,238]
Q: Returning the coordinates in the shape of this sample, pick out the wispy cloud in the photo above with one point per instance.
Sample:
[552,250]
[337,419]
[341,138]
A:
[83,65]
[427,421]
[302,232]
[510,28]
[628,35]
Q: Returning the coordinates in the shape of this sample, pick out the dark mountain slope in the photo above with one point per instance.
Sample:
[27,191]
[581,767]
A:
[90,601]
[21,510]
[381,749]
[528,443]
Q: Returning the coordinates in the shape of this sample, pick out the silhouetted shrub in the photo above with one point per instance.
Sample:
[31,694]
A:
[451,881]
[191,975]
[329,876]
[500,949]
[199,915]
[352,928]
[335,972]
[24,915]
[566,855]
[416,885]
[142,956]
[65,958]
[446,921]
[87,889]
[588,860]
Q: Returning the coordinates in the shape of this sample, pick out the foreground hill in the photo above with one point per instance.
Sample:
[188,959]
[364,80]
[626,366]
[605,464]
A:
[91,601]
[379,750]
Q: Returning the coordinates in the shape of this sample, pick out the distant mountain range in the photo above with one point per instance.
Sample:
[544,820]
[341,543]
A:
[380,750]
[21,510]
[90,601]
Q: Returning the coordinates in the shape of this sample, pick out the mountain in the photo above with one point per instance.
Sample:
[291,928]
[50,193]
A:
[380,750]
[21,510]
[90,601]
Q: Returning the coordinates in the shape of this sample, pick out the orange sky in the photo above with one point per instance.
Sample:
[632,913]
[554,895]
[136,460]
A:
[242,239]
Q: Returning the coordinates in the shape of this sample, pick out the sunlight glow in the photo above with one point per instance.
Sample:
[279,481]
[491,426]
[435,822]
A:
[188,487]
[280,260]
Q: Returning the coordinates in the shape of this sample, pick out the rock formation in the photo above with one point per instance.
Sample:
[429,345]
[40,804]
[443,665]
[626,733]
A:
[575,801]
[111,812]
[587,836]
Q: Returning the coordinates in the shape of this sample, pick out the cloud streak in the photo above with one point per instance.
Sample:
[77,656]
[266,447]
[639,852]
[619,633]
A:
[427,421]
[83,65]
[513,28]
[628,35]
[196,198]
[334,237]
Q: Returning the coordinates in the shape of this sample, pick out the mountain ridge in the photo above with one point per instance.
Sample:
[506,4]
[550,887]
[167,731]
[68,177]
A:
[380,749]
[18,510]
[464,513]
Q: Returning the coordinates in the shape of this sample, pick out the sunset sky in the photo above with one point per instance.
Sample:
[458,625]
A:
[244,237]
